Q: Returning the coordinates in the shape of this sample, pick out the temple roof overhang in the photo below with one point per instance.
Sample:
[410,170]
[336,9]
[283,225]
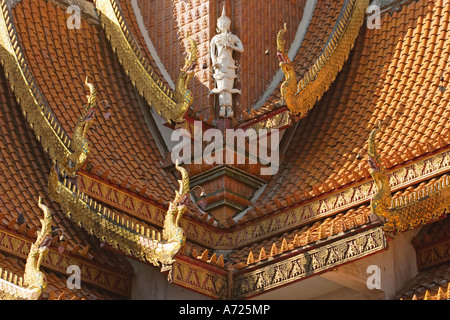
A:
[312,215]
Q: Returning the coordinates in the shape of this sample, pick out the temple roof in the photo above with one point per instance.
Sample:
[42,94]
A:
[124,151]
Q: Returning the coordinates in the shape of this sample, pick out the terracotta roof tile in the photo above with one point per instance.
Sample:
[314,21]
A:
[301,238]
[431,284]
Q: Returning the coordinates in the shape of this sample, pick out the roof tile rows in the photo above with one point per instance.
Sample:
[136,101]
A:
[309,235]
[431,284]
[123,150]
[398,75]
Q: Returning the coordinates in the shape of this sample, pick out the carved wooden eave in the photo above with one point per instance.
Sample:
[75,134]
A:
[296,266]
[282,269]
[34,106]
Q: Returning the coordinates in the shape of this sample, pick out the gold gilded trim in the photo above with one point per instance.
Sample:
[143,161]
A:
[34,281]
[96,275]
[36,110]
[172,106]
[301,96]
[11,286]
[279,222]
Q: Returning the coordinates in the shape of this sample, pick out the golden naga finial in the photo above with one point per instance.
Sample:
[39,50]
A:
[182,96]
[405,212]
[173,237]
[382,200]
[35,280]
[281,42]
[289,87]
[80,144]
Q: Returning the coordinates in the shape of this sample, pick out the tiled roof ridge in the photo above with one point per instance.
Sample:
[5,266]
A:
[392,6]
[334,54]
[351,87]
[37,111]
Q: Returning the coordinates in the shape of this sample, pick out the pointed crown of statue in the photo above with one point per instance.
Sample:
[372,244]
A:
[223,22]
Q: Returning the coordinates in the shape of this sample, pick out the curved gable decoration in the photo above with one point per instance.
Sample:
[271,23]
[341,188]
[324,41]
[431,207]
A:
[301,96]
[171,105]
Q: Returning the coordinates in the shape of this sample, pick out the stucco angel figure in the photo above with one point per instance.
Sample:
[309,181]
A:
[221,48]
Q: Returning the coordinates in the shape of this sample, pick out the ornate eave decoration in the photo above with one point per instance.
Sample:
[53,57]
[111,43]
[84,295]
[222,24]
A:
[159,248]
[171,105]
[262,278]
[36,110]
[301,96]
[405,212]
[34,281]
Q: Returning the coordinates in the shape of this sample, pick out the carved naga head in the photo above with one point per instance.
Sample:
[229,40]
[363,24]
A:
[190,62]
[281,47]
[87,117]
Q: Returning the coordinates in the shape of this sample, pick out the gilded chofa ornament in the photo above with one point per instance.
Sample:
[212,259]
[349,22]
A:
[80,144]
[173,237]
[184,97]
[300,97]
[405,212]
[382,200]
[119,231]
[34,281]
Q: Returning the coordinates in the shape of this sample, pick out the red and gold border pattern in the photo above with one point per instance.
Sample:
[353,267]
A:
[276,223]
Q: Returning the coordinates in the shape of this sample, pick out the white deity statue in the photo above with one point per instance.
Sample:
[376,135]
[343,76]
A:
[222,46]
